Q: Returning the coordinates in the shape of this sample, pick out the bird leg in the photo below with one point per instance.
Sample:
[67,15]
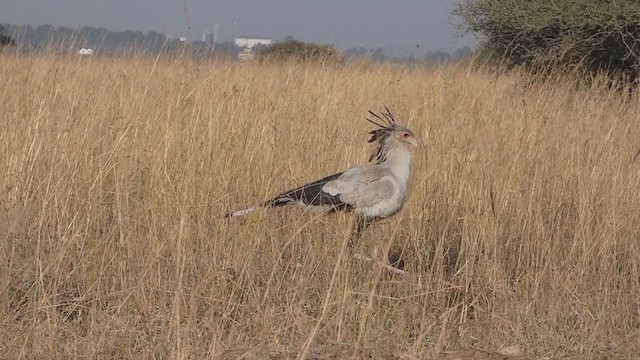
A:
[360,226]
[396,259]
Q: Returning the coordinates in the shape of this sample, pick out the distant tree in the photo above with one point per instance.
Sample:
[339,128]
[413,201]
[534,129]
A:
[461,53]
[41,35]
[436,58]
[5,39]
[378,54]
[411,60]
[226,49]
[358,52]
[258,47]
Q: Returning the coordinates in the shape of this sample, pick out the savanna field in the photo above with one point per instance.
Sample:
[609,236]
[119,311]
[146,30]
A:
[521,229]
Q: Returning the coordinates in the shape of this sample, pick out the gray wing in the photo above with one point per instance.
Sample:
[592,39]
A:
[309,194]
[362,186]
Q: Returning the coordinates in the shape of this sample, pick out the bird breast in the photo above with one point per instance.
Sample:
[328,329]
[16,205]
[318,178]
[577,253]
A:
[399,163]
[385,207]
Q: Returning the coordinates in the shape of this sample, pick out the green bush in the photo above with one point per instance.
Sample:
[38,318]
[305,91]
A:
[542,35]
[299,51]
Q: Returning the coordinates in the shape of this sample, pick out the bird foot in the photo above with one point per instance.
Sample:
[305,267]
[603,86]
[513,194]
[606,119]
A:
[396,267]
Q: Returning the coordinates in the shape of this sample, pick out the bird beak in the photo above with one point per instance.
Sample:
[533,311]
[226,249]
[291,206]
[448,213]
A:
[414,142]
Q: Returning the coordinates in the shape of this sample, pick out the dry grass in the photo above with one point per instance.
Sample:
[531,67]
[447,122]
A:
[522,225]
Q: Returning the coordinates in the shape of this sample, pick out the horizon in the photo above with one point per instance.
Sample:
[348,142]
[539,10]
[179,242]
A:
[411,28]
[425,52]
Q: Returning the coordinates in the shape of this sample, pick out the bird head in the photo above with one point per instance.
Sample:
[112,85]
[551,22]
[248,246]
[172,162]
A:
[404,136]
[388,133]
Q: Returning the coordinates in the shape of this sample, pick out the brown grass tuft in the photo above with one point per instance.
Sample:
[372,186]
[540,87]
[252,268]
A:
[522,224]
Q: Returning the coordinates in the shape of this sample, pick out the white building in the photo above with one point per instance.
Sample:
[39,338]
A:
[248,42]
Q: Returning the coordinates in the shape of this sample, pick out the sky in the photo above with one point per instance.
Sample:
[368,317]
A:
[399,27]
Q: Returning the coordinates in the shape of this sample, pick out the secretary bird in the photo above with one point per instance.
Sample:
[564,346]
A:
[374,191]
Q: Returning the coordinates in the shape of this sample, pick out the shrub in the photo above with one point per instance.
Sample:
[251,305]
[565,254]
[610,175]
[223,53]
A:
[587,35]
[5,39]
[299,51]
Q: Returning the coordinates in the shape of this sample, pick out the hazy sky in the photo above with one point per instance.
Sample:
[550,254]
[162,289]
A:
[397,26]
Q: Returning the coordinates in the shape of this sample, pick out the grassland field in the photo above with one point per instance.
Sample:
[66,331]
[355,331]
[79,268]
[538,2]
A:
[522,225]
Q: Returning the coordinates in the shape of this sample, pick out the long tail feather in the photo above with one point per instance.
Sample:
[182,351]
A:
[241,212]
[310,194]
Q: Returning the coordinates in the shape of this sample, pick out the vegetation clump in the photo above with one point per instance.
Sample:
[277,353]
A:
[5,39]
[590,36]
[299,51]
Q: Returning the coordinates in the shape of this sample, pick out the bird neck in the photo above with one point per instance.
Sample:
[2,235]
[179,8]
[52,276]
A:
[397,159]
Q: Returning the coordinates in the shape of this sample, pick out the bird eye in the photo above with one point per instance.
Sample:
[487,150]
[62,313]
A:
[406,135]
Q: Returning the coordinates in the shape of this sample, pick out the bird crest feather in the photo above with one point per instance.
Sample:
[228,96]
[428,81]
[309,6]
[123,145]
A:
[386,123]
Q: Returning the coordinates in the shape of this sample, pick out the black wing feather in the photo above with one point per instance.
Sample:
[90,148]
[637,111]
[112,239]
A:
[309,194]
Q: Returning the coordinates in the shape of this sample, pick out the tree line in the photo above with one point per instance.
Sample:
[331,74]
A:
[27,38]
[428,58]
[117,43]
